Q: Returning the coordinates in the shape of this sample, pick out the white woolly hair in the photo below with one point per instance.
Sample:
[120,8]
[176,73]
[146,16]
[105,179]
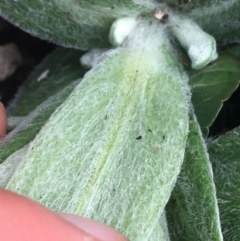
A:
[148,34]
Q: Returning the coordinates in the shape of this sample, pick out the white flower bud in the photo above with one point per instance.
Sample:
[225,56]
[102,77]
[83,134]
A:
[200,46]
[120,30]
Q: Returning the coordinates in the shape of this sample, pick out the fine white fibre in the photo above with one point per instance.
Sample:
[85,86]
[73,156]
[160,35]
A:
[200,46]
[120,30]
[13,121]
[43,75]
[160,231]
[92,58]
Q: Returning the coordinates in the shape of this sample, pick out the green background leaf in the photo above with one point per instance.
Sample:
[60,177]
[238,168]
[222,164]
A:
[234,50]
[73,23]
[37,100]
[225,158]
[219,18]
[192,210]
[211,86]
[27,129]
[64,67]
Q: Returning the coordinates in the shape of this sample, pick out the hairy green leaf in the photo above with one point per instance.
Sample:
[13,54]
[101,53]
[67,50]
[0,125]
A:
[72,23]
[220,18]
[192,211]
[211,86]
[224,155]
[114,149]
[57,71]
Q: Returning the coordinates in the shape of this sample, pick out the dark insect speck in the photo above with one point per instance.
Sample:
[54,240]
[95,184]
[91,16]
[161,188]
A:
[139,138]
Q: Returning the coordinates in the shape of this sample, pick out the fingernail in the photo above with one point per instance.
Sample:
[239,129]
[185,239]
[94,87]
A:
[94,228]
[88,238]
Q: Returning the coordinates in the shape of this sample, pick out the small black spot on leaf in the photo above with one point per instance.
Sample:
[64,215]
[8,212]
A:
[139,138]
